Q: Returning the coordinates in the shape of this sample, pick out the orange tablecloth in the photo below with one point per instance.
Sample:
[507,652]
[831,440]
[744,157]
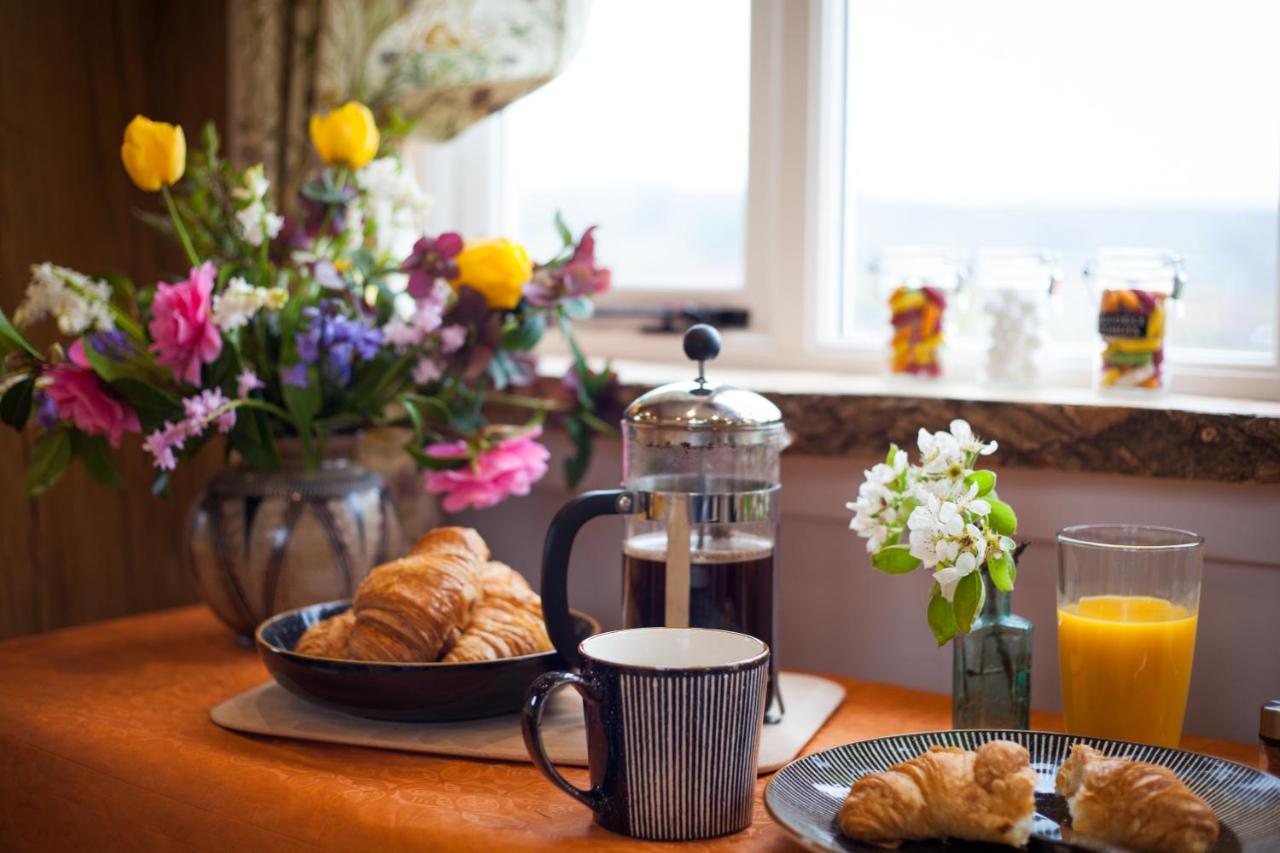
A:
[106,744]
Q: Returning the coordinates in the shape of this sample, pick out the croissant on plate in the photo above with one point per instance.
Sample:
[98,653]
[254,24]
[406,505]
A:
[445,600]
[1139,806]
[985,795]
[506,621]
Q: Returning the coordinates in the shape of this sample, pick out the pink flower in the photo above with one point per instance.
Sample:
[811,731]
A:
[508,468]
[182,324]
[79,395]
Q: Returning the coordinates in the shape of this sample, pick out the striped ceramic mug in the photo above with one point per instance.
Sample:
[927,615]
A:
[673,729]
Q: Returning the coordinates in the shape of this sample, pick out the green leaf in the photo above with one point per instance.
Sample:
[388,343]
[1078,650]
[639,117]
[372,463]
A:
[523,336]
[566,236]
[153,406]
[968,600]
[1002,518]
[986,481]
[942,617]
[15,406]
[434,463]
[160,485]
[575,467]
[895,560]
[96,458]
[578,308]
[415,418]
[48,461]
[11,340]
[1003,572]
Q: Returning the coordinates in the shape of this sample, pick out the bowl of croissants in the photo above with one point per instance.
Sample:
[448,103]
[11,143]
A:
[442,634]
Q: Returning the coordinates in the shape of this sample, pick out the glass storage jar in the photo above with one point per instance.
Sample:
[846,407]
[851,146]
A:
[1138,292]
[918,283]
[1013,289]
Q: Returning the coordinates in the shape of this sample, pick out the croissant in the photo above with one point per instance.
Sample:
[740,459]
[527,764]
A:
[327,639]
[987,795]
[413,608]
[506,621]
[1133,804]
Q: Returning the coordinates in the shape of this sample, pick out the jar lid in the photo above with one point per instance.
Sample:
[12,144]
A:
[700,405]
[1269,725]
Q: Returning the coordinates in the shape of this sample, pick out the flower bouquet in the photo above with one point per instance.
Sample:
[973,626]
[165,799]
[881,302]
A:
[942,514]
[336,317]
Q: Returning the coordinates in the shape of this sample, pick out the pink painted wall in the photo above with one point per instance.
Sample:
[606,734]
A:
[838,615]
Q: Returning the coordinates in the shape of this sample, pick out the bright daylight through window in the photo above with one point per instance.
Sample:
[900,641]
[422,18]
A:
[1071,126]
[650,141]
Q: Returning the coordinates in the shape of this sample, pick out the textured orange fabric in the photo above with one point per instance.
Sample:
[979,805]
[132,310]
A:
[106,744]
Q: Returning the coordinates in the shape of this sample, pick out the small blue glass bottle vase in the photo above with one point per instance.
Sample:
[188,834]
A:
[991,669]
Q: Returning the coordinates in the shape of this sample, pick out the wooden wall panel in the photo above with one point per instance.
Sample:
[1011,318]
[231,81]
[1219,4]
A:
[72,74]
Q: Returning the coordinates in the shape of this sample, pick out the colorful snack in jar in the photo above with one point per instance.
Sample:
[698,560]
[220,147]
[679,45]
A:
[916,315]
[1132,324]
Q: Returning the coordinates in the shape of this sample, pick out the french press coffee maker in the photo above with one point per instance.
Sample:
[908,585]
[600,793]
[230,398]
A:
[700,495]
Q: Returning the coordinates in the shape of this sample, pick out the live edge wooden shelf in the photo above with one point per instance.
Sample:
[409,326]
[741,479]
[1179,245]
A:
[1170,435]
[106,744]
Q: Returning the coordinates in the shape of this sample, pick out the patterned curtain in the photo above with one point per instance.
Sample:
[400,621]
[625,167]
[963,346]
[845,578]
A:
[444,63]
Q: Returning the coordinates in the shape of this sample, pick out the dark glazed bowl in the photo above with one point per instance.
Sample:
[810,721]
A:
[420,692]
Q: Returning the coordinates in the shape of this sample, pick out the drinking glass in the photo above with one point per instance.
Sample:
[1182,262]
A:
[1128,600]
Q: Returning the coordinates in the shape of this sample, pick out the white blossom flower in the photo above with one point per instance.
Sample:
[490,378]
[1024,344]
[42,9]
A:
[968,442]
[255,185]
[939,453]
[970,503]
[258,224]
[235,306]
[950,576]
[77,302]
[395,203]
[936,526]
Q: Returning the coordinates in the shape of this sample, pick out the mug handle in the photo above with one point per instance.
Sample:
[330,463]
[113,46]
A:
[555,562]
[530,726]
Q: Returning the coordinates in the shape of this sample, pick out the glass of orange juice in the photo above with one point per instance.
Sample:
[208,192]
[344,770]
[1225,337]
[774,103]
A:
[1128,600]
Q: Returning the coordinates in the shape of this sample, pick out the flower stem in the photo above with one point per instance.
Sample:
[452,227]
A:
[177,224]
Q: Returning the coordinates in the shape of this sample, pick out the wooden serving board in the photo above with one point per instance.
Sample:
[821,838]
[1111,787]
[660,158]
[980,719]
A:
[269,709]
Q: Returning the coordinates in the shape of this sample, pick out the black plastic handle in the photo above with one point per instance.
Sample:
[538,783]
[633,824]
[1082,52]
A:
[555,562]
[530,726]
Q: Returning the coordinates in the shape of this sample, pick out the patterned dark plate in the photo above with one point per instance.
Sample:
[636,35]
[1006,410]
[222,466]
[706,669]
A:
[805,796]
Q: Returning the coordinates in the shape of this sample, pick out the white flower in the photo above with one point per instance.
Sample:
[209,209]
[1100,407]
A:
[76,301]
[255,185]
[873,513]
[935,528]
[395,203]
[258,224]
[426,317]
[968,442]
[939,453]
[948,578]
[235,306]
[970,502]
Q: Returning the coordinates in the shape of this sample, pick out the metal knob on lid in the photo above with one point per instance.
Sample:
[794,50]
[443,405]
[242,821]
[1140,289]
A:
[1269,725]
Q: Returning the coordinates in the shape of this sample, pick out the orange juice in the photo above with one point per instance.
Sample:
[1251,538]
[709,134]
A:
[1126,666]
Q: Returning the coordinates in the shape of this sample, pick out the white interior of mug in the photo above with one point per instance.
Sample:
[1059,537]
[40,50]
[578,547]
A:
[673,648]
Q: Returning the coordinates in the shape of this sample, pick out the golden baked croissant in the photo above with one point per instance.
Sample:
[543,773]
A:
[986,795]
[1139,806]
[413,608]
[506,621]
[328,638]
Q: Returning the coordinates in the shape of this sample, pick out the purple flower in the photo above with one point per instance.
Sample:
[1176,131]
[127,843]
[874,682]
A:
[578,276]
[247,382]
[204,407]
[334,342]
[295,376]
[114,344]
[46,411]
[431,260]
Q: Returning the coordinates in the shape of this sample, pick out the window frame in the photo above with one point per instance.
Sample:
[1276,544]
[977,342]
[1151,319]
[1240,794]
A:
[795,228]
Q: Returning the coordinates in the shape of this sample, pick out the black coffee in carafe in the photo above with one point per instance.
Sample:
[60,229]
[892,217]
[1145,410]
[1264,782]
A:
[730,588]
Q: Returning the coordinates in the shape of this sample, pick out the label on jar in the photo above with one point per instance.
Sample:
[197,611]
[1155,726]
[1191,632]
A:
[1123,324]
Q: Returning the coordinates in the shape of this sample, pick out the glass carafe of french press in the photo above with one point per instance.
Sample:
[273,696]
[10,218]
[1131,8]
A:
[700,495]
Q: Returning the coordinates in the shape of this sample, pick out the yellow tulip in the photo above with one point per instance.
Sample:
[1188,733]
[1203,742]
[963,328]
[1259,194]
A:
[498,268]
[154,153]
[347,135]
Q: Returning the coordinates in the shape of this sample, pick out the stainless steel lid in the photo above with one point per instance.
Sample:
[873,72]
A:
[700,405]
[1269,726]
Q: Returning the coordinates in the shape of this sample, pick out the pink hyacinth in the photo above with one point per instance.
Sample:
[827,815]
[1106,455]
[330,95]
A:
[79,395]
[182,326]
[509,468]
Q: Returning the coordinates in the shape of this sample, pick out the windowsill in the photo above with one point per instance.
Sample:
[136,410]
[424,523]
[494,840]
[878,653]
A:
[1068,429]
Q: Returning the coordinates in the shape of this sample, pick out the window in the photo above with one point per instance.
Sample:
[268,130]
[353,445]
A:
[763,154]
[646,133]
[1071,126]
